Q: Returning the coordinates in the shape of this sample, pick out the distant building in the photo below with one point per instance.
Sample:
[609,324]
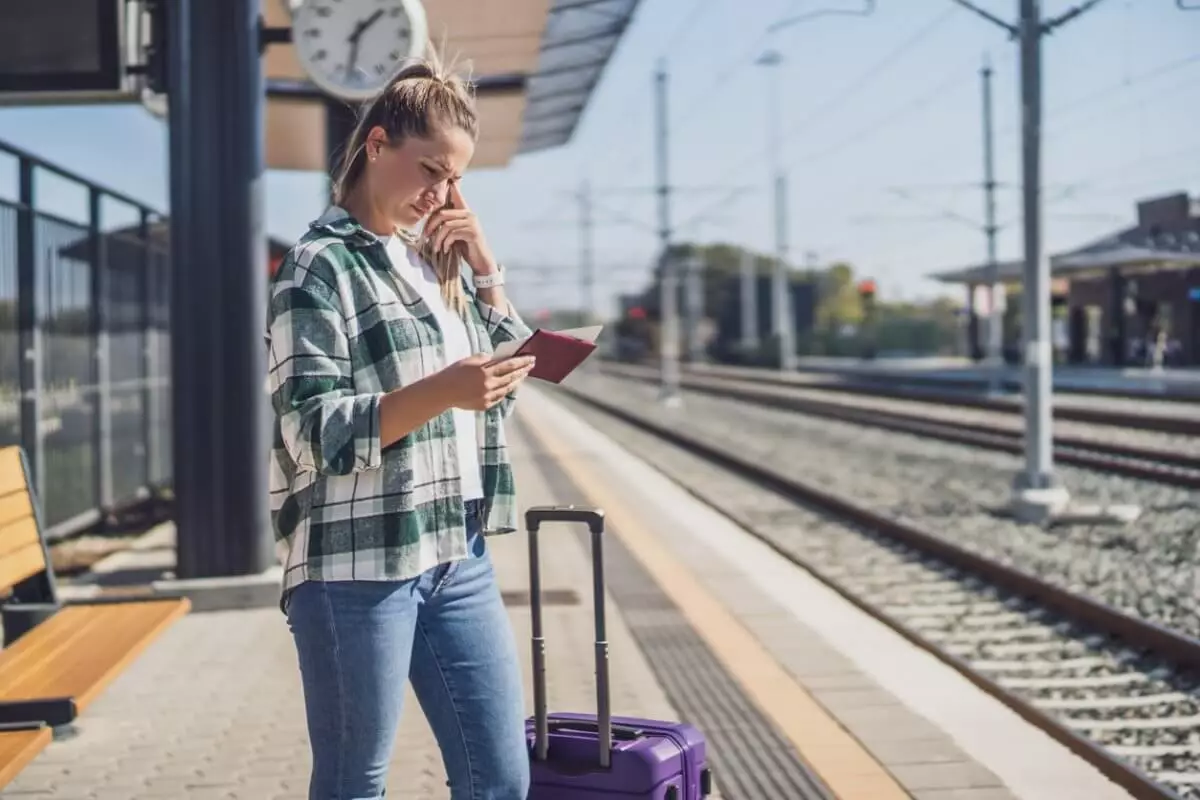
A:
[729,315]
[1118,297]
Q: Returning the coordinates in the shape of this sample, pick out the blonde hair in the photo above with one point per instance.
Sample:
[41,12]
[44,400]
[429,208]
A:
[421,98]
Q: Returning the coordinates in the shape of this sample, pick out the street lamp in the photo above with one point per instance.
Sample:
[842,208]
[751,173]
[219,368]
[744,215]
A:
[781,307]
[867,9]
[781,297]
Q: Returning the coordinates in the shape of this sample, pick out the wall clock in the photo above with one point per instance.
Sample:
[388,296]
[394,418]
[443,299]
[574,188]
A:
[351,48]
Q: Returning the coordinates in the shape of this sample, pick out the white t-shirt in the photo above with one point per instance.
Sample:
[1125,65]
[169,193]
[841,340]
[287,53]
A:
[420,275]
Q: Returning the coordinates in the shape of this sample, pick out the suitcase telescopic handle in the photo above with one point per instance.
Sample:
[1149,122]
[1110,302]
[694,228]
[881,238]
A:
[594,518]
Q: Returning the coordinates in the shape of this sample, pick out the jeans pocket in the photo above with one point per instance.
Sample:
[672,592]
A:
[477,552]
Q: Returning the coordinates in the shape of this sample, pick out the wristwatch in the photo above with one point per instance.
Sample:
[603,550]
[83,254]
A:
[491,279]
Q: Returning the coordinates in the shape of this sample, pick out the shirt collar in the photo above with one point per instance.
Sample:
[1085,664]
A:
[337,221]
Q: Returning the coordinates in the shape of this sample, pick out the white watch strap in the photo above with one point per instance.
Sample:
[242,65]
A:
[488,281]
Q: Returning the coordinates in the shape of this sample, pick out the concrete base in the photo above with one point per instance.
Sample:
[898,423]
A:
[670,401]
[1039,506]
[1096,514]
[226,593]
[1053,506]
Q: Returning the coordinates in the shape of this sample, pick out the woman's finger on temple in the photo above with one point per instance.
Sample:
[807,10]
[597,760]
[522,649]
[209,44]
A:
[451,231]
[454,195]
[441,216]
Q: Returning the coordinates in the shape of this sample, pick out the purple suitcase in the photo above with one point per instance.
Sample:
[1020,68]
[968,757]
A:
[596,756]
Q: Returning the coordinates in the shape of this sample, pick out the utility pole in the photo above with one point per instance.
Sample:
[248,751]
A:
[694,295]
[587,275]
[1039,379]
[668,344]
[749,298]
[1038,495]
[811,261]
[995,324]
[781,306]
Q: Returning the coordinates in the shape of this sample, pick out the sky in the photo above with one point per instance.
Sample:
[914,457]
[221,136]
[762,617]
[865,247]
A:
[881,142]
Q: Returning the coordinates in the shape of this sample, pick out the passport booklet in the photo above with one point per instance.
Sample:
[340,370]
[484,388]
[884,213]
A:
[558,353]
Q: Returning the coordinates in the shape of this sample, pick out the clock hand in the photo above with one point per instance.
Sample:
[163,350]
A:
[362,26]
[355,35]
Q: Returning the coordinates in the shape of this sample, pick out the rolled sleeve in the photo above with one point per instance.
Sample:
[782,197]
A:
[325,425]
[502,326]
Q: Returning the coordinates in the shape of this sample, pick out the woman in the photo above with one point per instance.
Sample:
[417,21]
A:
[389,459]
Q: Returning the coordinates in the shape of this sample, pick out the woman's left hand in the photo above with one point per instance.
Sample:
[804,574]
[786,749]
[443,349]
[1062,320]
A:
[456,226]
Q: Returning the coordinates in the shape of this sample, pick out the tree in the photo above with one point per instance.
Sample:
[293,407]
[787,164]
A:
[839,303]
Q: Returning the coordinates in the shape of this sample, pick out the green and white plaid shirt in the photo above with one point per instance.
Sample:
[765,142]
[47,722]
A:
[343,330]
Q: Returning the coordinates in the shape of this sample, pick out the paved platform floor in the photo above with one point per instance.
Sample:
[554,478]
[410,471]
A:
[213,709]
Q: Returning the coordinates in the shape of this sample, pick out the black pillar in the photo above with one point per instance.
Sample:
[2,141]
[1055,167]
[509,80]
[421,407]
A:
[101,324]
[1116,316]
[29,330]
[145,324]
[218,288]
[1191,339]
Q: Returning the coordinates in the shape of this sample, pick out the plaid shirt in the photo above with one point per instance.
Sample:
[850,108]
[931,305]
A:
[343,330]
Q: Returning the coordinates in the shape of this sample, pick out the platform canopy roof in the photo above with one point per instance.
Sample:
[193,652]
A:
[1006,271]
[1124,255]
[535,64]
[1129,249]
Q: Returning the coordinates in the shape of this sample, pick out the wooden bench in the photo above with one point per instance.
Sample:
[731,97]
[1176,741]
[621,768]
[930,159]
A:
[20,744]
[58,657]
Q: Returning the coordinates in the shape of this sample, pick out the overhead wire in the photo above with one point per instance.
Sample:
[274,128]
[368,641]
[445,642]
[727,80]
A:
[681,31]
[1066,109]
[1070,107]
[860,83]
[1076,191]
[1055,113]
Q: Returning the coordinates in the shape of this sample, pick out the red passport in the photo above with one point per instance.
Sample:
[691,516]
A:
[558,353]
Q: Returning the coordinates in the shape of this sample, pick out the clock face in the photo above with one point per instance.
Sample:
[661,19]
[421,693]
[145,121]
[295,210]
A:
[350,48]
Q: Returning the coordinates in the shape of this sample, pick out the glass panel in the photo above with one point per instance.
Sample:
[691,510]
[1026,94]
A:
[68,413]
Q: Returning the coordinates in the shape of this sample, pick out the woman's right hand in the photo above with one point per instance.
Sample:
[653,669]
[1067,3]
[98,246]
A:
[477,383]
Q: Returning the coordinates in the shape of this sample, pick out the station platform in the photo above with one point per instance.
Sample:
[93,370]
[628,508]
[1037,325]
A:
[1167,382]
[800,694]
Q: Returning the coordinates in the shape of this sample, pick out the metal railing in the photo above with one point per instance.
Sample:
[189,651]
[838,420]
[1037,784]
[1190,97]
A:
[84,347]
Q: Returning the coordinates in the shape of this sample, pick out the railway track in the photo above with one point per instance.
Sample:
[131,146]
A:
[1120,692]
[1183,423]
[1009,383]
[1153,464]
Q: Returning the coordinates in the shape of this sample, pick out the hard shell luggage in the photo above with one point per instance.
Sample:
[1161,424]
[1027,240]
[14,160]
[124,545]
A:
[576,756]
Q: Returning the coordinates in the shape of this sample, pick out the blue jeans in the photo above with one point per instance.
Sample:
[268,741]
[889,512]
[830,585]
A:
[446,631]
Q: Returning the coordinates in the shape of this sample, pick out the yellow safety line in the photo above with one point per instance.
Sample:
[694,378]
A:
[833,753]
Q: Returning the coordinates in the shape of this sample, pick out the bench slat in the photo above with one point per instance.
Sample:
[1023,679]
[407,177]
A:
[17,749]
[14,507]
[20,564]
[21,552]
[81,649]
[12,472]
[16,535]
